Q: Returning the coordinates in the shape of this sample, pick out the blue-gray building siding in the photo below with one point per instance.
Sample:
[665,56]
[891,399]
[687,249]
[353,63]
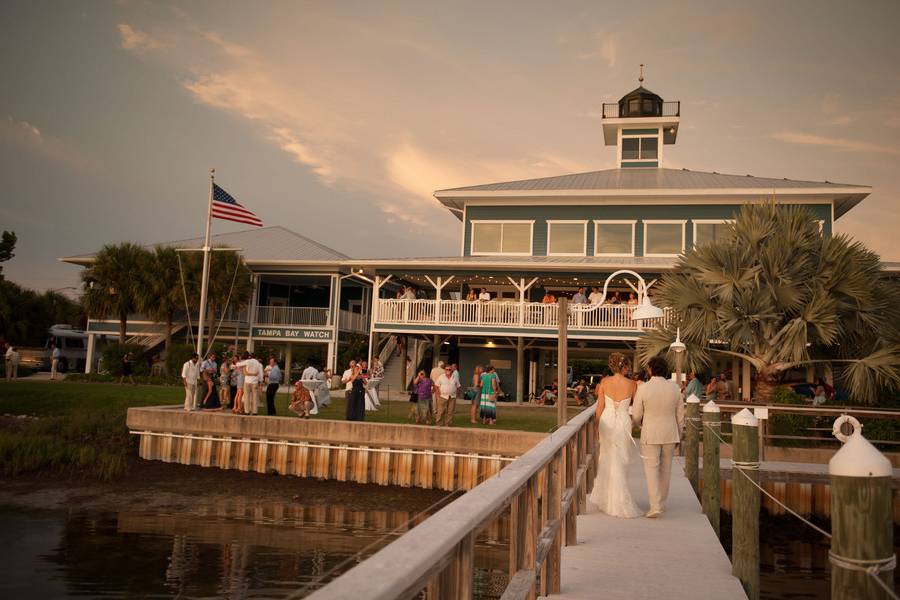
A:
[637,212]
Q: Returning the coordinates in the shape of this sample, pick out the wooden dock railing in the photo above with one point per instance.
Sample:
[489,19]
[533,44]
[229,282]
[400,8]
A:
[545,489]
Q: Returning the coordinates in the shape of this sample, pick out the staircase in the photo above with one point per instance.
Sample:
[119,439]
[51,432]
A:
[393,363]
[151,340]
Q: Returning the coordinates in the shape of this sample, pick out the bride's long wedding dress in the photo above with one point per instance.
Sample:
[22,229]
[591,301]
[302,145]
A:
[617,450]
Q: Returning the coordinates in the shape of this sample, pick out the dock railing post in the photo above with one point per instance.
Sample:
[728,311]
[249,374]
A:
[711,430]
[692,443]
[862,551]
[745,502]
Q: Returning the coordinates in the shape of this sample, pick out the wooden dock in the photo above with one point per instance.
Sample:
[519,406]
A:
[674,557]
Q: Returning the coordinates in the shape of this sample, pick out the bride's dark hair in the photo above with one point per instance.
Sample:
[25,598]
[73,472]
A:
[617,362]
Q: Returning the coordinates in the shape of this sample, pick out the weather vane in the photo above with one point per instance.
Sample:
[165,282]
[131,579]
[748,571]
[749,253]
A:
[641,78]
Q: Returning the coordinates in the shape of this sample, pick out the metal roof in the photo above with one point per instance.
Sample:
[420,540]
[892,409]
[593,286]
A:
[261,245]
[648,179]
[518,263]
[637,182]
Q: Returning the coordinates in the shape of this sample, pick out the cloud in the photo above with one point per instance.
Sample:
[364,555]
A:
[607,49]
[836,143]
[28,137]
[132,39]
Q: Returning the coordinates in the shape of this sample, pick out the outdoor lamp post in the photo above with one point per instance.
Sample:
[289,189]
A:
[646,309]
[678,348]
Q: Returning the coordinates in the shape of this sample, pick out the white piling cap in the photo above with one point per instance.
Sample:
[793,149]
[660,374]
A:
[859,458]
[745,417]
[711,407]
[693,399]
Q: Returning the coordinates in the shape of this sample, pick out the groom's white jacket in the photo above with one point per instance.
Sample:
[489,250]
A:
[659,411]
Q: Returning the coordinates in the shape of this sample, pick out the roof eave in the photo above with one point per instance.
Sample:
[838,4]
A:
[446,195]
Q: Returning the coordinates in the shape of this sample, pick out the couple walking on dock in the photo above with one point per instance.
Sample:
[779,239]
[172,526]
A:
[657,409]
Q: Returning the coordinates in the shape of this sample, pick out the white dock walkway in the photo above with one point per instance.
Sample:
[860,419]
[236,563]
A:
[674,557]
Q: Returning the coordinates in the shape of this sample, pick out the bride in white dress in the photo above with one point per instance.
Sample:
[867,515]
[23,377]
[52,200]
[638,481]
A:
[617,448]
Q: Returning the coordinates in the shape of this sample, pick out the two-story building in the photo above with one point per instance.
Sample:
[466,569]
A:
[523,239]
[304,301]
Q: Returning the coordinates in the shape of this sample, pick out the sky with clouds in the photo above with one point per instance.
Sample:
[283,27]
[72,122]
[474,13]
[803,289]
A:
[338,119]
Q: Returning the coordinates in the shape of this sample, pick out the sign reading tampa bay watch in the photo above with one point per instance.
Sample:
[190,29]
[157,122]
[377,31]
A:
[292,333]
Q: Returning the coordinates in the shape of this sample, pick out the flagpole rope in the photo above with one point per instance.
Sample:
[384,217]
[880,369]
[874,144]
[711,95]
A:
[187,308]
[237,266]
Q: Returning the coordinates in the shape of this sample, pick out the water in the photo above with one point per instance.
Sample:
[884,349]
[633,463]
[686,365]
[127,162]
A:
[235,550]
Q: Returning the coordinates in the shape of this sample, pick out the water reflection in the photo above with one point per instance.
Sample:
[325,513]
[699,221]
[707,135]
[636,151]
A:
[234,549]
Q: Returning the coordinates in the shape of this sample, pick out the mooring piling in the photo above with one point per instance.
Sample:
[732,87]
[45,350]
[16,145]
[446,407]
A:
[862,552]
[745,502]
[712,428]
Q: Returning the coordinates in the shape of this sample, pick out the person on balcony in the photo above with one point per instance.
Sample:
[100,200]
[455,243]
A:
[471,296]
[409,293]
[596,297]
[632,298]
[485,295]
[548,298]
[579,297]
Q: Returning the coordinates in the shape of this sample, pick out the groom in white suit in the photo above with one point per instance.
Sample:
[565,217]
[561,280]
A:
[659,412]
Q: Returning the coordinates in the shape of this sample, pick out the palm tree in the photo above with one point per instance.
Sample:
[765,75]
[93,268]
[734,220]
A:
[779,294]
[230,286]
[112,283]
[161,295]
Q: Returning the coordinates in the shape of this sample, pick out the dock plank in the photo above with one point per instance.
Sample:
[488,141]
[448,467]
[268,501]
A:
[674,557]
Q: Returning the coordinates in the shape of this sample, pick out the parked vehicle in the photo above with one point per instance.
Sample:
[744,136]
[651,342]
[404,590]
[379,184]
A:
[72,344]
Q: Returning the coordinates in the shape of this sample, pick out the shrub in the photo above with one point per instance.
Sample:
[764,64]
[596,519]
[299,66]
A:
[113,354]
[176,356]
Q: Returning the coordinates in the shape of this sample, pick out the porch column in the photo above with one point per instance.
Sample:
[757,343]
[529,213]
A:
[404,356]
[520,370]
[89,355]
[435,351]
[287,363]
[746,392]
[735,378]
[331,357]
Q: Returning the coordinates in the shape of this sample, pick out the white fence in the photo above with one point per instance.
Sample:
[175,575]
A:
[533,315]
[291,315]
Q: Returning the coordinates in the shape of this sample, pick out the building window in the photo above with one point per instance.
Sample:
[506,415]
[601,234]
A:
[640,148]
[567,238]
[709,231]
[501,237]
[663,238]
[614,238]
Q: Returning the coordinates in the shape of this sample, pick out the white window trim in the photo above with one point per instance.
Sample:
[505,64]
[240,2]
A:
[582,222]
[627,136]
[695,222]
[632,222]
[501,222]
[681,222]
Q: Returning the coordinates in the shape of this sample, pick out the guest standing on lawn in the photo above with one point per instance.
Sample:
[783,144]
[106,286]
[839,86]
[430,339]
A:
[475,394]
[424,388]
[274,381]
[127,368]
[356,396]
[190,373]
[489,388]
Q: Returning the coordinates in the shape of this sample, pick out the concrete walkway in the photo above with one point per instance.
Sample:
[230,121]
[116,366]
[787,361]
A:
[674,557]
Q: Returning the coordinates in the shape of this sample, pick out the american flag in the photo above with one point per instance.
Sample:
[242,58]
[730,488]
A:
[226,207]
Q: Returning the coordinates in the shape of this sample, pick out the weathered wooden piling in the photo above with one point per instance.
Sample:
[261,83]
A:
[712,428]
[862,551]
[692,443]
[745,502]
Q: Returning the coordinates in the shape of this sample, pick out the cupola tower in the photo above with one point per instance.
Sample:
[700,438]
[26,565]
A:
[639,125]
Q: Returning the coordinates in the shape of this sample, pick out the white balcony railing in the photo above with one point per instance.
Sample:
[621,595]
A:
[351,321]
[530,315]
[291,315]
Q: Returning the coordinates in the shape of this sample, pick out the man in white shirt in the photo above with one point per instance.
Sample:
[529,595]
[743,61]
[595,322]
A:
[54,361]
[484,295]
[347,380]
[190,373]
[596,297]
[409,294]
[446,389]
[253,372]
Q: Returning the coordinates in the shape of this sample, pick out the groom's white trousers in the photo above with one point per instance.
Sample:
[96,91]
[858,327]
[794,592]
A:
[658,470]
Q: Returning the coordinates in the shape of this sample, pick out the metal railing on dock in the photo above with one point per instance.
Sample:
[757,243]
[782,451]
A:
[545,489]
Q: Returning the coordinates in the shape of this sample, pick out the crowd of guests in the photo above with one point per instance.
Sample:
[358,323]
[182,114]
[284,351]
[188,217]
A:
[433,395]
[409,292]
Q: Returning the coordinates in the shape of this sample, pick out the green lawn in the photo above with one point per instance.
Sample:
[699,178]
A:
[43,399]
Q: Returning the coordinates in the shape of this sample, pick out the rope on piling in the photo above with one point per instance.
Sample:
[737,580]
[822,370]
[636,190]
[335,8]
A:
[873,568]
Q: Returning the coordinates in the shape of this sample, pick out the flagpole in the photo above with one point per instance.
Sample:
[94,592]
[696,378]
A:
[204,285]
